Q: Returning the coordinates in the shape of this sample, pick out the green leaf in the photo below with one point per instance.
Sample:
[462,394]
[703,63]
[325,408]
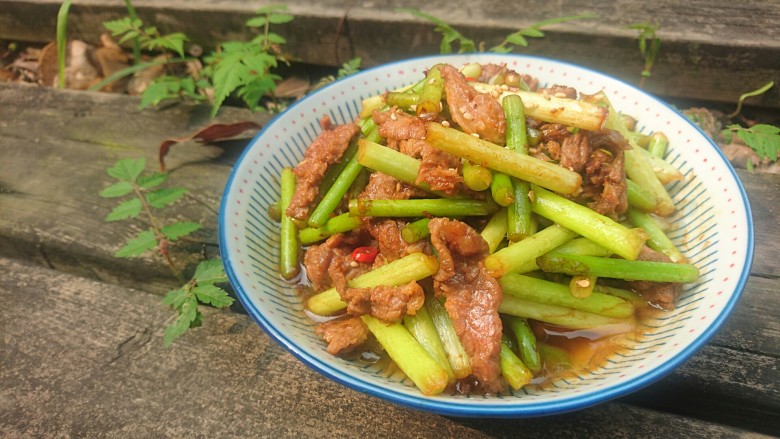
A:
[177,230]
[128,36]
[241,65]
[280,18]
[173,42]
[135,247]
[127,169]
[155,93]
[213,295]
[270,9]
[749,94]
[257,22]
[275,38]
[533,32]
[128,209]
[117,190]
[252,92]
[449,35]
[517,40]
[762,138]
[164,197]
[350,67]
[188,313]
[175,298]
[153,180]
[117,27]
[500,49]
[210,271]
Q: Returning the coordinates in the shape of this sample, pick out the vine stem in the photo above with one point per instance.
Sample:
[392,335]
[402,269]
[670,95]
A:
[162,248]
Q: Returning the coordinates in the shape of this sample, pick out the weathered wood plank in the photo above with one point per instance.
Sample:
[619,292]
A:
[85,359]
[711,50]
[55,147]
[54,152]
[764,195]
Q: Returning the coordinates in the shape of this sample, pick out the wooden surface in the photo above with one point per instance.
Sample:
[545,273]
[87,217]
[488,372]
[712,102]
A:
[711,50]
[82,349]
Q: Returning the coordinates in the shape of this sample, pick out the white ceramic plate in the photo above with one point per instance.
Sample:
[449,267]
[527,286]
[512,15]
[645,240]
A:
[714,230]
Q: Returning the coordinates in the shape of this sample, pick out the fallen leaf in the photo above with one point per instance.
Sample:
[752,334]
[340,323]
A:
[142,78]
[739,154]
[292,87]
[110,58]
[79,71]
[213,132]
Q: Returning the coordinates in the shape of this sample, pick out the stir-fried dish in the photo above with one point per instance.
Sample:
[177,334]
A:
[484,232]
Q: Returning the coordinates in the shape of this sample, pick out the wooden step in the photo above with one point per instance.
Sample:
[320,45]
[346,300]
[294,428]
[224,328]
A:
[711,51]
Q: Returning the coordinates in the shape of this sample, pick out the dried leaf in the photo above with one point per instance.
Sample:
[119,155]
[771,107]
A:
[213,132]
[292,87]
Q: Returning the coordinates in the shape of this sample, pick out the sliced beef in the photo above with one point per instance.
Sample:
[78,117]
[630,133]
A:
[476,113]
[325,150]
[472,296]
[575,151]
[440,170]
[398,127]
[598,156]
[412,147]
[549,151]
[334,255]
[502,75]
[554,131]
[386,303]
[553,135]
[384,187]
[385,231]
[604,178]
[343,335]
[406,133]
[661,294]
[559,91]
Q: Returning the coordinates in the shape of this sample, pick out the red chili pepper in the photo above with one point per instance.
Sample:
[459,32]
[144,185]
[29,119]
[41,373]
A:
[365,254]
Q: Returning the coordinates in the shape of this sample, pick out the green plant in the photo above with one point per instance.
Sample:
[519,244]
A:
[136,41]
[146,196]
[240,67]
[350,67]
[520,37]
[757,92]
[466,45]
[149,37]
[245,67]
[762,138]
[649,46]
[448,34]
[62,40]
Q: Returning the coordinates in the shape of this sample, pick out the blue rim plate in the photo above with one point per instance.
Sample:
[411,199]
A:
[713,227]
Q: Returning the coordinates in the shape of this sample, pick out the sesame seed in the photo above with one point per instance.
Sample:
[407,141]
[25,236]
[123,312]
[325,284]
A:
[475,135]
[445,123]
[583,283]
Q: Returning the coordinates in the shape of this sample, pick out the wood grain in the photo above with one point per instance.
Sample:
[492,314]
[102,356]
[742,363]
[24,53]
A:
[711,50]
[82,352]
[85,359]
[55,148]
